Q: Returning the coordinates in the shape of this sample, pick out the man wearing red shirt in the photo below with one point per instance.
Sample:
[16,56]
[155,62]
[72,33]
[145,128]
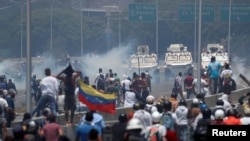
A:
[188,85]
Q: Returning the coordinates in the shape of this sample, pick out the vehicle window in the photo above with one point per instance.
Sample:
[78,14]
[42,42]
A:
[185,57]
[149,60]
[135,60]
[172,58]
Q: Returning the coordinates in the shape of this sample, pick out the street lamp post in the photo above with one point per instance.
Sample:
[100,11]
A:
[229,28]
[28,60]
[21,6]
[119,29]
[199,49]
[81,30]
[156,28]
[51,25]
[195,32]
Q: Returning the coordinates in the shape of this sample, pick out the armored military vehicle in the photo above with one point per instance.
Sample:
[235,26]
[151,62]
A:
[177,59]
[143,60]
[216,50]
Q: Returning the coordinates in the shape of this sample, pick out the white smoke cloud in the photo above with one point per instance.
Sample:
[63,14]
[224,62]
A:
[90,64]
[114,59]
[239,67]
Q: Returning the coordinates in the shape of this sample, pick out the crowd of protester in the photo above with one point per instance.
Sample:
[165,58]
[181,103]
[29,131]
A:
[164,118]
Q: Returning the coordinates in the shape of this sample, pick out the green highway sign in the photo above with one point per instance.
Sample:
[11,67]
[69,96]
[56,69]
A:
[186,13]
[142,12]
[239,13]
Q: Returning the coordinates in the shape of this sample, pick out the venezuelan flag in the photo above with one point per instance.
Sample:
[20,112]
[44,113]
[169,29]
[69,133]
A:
[96,100]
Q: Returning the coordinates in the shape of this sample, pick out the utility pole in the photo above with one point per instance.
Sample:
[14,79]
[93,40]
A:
[229,29]
[28,61]
[199,50]
[81,29]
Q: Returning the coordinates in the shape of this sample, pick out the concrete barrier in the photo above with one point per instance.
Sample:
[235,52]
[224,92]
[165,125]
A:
[210,100]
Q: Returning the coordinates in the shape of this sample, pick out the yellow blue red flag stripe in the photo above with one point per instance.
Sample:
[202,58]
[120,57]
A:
[96,100]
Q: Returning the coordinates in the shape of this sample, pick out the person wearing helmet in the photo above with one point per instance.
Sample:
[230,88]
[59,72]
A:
[136,107]
[218,106]
[151,131]
[119,128]
[232,118]
[150,107]
[214,74]
[143,116]
[134,130]
[30,128]
[181,120]
[219,115]
[200,133]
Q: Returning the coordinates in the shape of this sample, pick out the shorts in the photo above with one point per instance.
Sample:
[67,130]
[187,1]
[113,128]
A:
[70,103]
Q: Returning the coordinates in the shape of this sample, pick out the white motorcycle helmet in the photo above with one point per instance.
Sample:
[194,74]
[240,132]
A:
[134,123]
[156,116]
[219,114]
[150,99]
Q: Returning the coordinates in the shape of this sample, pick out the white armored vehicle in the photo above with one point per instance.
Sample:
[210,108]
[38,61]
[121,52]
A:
[177,59]
[143,60]
[216,50]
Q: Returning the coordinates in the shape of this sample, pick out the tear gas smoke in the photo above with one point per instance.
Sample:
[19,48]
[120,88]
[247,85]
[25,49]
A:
[89,65]
[113,59]
[239,67]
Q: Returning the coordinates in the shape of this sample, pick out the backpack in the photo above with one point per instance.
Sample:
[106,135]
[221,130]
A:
[227,79]
[167,121]
[201,129]
[153,134]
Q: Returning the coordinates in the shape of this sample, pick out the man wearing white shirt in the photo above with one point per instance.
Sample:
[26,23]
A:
[202,86]
[226,77]
[3,104]
[49,87]
[130,97]
[125,85]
